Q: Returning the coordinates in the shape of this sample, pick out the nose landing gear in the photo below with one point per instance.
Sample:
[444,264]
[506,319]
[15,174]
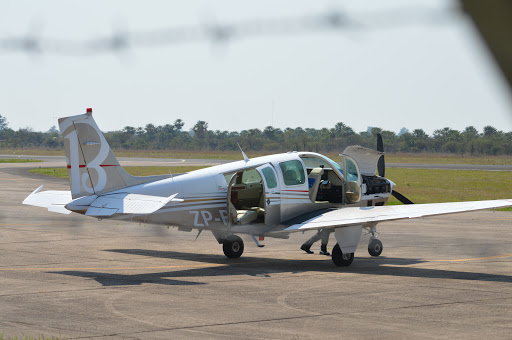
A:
[375,247]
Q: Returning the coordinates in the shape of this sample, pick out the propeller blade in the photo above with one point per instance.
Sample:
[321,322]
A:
[381,168]
[380,143]
[381,164]
[401,197]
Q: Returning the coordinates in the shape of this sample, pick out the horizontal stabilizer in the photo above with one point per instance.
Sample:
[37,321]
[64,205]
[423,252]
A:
[53,200]
[124,203]
[361,215]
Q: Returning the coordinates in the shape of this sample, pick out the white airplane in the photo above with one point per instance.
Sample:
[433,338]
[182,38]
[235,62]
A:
[270,196]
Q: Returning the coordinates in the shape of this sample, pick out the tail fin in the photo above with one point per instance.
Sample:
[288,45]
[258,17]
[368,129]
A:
[92,166]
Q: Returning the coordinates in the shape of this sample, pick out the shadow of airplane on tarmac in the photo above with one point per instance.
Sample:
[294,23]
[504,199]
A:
[261,267]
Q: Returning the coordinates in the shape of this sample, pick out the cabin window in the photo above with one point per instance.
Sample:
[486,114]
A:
[270,177]
[293,172]
[352,173]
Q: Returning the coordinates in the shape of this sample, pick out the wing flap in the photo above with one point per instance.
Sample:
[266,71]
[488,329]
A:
[360,215]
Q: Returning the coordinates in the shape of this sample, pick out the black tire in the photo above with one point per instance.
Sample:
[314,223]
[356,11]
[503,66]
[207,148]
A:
[375,247]
[233,246]
[340,259]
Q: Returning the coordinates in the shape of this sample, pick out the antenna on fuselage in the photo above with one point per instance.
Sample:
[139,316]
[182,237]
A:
[246,159]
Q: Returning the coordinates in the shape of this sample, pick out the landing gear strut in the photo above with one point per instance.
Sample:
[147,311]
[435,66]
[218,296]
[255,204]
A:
[233,246]
[341,259]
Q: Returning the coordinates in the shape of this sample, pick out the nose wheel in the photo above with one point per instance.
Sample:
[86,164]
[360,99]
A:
[233,246]
[375,247]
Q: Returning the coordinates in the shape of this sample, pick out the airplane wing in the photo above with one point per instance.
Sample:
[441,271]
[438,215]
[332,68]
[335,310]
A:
[54,200]
[124,203]
[360,215]
[106,205]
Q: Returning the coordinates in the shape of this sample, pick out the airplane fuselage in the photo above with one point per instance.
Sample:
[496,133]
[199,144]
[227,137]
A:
[205,194]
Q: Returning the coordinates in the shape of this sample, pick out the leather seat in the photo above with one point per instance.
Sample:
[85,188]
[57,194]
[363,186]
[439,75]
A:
[244,216]
[314,182]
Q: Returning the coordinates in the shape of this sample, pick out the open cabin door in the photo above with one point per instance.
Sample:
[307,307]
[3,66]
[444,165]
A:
[231,209]
[353,180]
[270,194]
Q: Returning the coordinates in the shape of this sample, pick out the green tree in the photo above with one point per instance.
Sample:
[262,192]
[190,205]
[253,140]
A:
[490,131]
[200,129]
[470,133]
[129,130]
[3,123]
[178,124]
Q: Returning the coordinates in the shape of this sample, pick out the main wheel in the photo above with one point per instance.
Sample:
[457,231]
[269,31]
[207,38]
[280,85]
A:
[340,259]
[233,246]
[375,247]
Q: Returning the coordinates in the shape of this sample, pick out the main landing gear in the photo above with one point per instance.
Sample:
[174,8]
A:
[341,259]
[233,246]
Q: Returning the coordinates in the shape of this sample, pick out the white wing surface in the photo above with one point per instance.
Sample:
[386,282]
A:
[124,203]
[360,215]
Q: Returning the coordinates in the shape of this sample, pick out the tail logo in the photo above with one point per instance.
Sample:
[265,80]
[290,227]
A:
[85,182]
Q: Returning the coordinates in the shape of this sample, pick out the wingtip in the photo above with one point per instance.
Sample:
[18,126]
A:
[32,193]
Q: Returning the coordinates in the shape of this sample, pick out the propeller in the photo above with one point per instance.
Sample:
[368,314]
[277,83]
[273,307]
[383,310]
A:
[381,169]
[381,164]
[401,197]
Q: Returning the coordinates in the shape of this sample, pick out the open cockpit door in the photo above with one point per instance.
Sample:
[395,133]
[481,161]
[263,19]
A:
[353,180]
[231,208]
[253,196]
[270,196]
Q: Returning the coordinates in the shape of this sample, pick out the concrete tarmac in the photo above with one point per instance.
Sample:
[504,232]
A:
[74,277]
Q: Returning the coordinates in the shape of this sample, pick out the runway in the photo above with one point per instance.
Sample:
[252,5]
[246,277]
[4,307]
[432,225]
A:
[60,161]
[78,278]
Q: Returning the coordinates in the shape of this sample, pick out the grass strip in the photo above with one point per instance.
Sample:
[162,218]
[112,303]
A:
[18,160]
[421,158]
[132,170]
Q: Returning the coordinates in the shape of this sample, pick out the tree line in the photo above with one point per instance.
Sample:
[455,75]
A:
[469,141]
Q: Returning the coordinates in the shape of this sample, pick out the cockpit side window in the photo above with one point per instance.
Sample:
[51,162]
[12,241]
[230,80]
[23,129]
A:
[293,172]
[270,177]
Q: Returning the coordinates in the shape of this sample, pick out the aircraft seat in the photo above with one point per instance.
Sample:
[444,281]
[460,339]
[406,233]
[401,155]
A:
[314,179]
[242,216]
[246,216]
[290,176]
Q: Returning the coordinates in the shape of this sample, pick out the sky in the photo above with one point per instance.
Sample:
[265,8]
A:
[397,66]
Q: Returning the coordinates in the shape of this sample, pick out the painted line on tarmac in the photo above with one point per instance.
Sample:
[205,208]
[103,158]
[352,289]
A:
[475,259]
